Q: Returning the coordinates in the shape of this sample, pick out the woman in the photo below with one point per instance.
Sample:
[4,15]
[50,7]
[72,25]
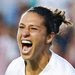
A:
[37,28]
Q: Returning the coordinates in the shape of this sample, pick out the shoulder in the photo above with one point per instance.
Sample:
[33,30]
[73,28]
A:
[15,66]
[61,61]
[62,65]
[16,62]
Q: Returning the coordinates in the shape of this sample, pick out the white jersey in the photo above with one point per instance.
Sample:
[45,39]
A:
[56,66]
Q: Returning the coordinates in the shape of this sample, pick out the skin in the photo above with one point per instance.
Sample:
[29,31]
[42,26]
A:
[31,27]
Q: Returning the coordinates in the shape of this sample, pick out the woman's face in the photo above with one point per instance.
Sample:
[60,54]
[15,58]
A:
[32,35]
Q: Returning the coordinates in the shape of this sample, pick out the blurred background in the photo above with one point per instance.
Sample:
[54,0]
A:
[10,13]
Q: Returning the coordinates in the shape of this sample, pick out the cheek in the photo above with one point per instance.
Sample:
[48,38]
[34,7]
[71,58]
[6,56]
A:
[19,40]
[18,34]
[39,39]
[38,46]
[18,37]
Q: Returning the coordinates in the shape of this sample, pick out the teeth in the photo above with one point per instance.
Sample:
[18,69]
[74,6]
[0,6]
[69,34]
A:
[29,42]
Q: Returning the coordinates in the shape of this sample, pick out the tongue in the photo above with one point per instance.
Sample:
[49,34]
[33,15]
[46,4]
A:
[26,49]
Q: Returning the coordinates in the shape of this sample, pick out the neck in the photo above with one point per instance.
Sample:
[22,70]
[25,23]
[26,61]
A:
[37,65]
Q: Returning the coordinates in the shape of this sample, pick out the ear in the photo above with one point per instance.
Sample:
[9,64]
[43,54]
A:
[50,37]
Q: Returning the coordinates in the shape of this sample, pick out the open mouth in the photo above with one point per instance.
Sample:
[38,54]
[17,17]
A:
[26,43]
[26,46]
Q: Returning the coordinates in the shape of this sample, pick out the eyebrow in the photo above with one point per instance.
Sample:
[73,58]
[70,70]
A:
[21,24]
[34,25]
[30,25]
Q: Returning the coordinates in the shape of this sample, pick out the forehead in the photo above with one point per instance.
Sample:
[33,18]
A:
[29,17]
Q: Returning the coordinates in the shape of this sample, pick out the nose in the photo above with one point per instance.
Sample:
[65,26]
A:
[25,33]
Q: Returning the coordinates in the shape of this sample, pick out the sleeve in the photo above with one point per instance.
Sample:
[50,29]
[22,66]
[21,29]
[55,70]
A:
[10,70]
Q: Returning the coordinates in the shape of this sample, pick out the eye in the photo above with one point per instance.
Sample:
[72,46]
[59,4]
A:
[34,28]
[21,27]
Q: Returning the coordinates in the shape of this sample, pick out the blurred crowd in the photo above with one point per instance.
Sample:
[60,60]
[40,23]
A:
[10,12]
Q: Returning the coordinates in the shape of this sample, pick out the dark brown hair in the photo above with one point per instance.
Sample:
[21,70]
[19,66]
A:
[53,20]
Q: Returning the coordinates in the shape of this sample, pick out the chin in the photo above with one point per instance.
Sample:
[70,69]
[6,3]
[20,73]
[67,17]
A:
[26,57]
